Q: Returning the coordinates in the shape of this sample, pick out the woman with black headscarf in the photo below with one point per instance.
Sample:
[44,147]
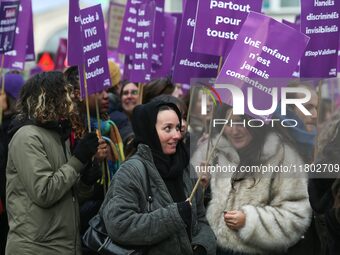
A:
[173,225]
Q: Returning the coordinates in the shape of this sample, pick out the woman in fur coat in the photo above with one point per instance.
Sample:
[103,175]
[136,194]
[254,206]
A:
[255,214]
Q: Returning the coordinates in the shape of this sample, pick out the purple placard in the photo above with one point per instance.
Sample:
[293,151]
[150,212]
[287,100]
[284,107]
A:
[168,49]
[178,17]
[262,52]
[296,27]
[338,57]
[291,24]
[61,54]
[128,33]
[94,49]
[74,46]
[218,24]
[320,20]
[158,33]
[141,71]
[30,53]
[8,22]
[128,66]
[188,64]
[15,59]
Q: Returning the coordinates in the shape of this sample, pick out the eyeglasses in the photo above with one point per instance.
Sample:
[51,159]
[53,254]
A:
[133,92]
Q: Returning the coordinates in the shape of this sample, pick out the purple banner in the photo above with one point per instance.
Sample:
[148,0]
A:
[178,17]
[291,24]
[74,46]
[116,14]
[141,71]
[168,49]
[8,21]
[30,53]
[338,57]
[94,49]
[296,27]
[218,24]
[128,66]
[61,54]
[128,33]
[263,51]
[320,21]
[158,33]
[15,59]
[188,64]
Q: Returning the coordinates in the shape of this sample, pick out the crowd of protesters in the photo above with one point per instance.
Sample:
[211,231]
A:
[127,161]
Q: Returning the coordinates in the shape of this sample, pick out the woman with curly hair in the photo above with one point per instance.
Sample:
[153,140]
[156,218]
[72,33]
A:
[41,200]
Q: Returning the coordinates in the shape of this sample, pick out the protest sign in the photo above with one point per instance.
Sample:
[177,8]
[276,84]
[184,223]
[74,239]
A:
[128,66]
[15,59]
[158,33]
[94,49]
[74,45]
[168,48]
[297,27]
[8,22]
[291,24]
[127,38]
[320,21]
[30,54]
[263,51]
[116,14]
[178,17]
[61,54]
[141,71]
[218,24]
[188,64]
[338,69]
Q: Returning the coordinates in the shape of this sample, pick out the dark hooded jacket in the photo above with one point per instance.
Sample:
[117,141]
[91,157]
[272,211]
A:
[124,210]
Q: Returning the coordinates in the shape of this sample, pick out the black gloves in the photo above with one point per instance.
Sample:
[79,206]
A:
[91,174]
[184,209]
[199,250]
[86,147]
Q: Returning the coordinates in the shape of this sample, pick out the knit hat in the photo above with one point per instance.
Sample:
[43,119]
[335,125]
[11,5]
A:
[13,84]
[114,73]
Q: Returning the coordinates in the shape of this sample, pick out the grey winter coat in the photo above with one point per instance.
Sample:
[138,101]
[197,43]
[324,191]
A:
[124,210]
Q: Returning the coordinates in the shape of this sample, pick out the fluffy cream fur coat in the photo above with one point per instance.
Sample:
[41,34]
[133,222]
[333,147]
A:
[277,208]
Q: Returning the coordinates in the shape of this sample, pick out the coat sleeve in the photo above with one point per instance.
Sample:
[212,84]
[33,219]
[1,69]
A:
[205,236]
[44,185]
[124,220]
[281,223]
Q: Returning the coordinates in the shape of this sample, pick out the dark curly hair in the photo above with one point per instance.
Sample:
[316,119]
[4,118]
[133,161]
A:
[45,97]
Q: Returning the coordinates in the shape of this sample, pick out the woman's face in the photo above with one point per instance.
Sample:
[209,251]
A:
[103,101]
[168,131]
[238,135]
[130,97]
